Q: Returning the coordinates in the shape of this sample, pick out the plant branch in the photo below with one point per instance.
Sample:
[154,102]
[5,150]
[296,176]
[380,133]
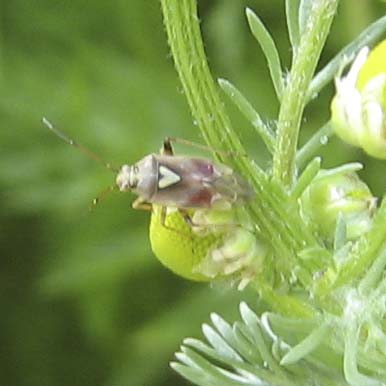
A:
[294,97]
[275,221]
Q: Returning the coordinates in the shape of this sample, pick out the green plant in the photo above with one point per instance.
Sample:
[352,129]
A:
[322,284]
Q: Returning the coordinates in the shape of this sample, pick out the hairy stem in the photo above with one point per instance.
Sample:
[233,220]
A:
[284,232]
[208,110]
[294,97]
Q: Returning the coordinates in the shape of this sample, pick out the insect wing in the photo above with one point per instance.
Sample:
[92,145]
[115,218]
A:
[186,182]
[231,187]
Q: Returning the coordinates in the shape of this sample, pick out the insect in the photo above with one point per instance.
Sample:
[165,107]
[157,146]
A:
[175,189]
[182,182]
[175,181]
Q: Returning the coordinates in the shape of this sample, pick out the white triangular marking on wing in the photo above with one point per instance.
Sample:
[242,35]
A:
[167,177]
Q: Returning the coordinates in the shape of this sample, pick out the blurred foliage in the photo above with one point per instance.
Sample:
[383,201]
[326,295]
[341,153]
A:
[83,301]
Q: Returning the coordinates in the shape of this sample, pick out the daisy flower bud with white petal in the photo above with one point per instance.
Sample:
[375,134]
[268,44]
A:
[358,110]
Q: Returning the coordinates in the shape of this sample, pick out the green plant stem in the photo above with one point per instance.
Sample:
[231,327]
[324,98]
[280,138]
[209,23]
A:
[309,344]
[285,305]
[181,22]
[368,249]
[373,274]
[285,234]
[294,96]
[250,113]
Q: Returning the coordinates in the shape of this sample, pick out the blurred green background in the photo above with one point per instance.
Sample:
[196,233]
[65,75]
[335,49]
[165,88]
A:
[82,299]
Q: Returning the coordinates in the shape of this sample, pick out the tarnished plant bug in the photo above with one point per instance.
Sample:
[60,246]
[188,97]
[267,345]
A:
[194,229]
[176,181]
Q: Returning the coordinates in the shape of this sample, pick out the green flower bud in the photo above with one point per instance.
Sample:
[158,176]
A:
[239,256]
[218,244]
[358,110]
[331,195]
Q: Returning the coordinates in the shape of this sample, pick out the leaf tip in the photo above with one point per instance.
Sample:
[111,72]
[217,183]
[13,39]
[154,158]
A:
[286,360]
[188,341]
[248,12]
[221,81]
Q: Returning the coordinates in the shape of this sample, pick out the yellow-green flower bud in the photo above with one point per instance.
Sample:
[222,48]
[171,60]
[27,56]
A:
[331,195]
[358,110]
[217,244]
[240,256]
[177,246]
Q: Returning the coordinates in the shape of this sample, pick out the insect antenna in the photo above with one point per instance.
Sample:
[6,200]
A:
[101,196]
[83,149]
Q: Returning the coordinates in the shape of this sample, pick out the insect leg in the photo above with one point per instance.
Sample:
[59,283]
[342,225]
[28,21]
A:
[168,141]
[163,223]
[187,218]
[167,147]
[220,226]
[141,204]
